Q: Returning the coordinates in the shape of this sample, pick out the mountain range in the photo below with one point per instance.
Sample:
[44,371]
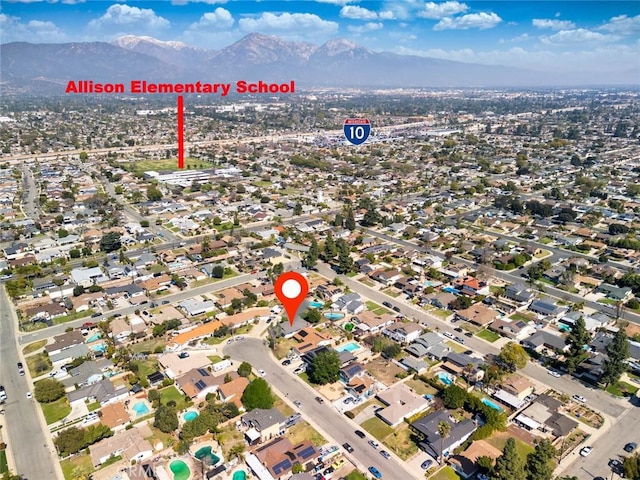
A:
[46,68]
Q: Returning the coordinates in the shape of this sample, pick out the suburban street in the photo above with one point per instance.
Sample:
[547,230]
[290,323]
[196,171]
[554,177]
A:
[337,426]
[26,434]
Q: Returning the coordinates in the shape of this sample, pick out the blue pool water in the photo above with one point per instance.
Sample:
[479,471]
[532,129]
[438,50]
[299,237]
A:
[315,304]
[100,347]
[427,283]
[140,408]
[94,337]
[239,475]
[190,415]
[348,347]
[489,403]
[445,378]
[451,290]
[334,315]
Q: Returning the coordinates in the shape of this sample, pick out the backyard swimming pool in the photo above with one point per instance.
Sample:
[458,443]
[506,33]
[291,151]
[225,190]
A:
[348,347]
[314,304]
[491,404]
[190,415]
[94,337]
[334,315]
[100,347]
[445,378]
[180,470]
[239,475]
[206,453]
[140,408]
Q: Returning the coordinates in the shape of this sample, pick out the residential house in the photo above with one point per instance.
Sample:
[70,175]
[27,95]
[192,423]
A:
[431,345]
[431,440]
[619,294]
[86,373]
[465,463]
[232,391]
[64,341]
[280,455]
[262,425]
[197,306]
[513,329]
[351,371]
[308,339]
[102,392]
[464,365]
[129,444]
[87,277]
[401,402]
[471,286]
[386,277]
[67,354]
[519,293]
[226,297]
[197,383]
[543,414]
[478,314]
[542,340]
[372,323]
[547,308]
[517,385]
[403,332]
[114,415]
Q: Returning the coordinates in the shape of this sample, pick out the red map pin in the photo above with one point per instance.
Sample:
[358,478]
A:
[291,289]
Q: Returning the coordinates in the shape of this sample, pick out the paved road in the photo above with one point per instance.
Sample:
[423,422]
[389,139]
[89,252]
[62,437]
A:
[339,427]
[607,447]
[28,439]
[29,194]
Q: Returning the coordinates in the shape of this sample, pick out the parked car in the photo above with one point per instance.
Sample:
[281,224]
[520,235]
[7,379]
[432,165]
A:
[300,369]
[297,403]
[585,451]
[348,447]
[286,362]
[396,308]
[319,400]
[387,304]
[96,315]
[579,398]
[360,433]
[262,372]
[28,394]
[20,368]
[375,472]
[630,447]
[385,454]
[183,355]
[426,465]
[554,373]
[460,340]
[374,444]
[328,470]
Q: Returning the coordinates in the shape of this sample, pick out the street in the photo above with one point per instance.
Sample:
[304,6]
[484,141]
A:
[26,434]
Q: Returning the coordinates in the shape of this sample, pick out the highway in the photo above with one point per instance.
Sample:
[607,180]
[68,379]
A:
[28,437]
[337,426]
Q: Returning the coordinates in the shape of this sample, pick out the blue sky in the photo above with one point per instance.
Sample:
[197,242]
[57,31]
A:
[541,35]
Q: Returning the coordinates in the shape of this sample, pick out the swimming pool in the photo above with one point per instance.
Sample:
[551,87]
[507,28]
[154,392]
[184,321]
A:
[348,347]
[141,408]
[491,404]
[94,337]
[445,378]
[205,454]
[314,304]
[451,290]
[180,470]
[100,347]
[334,315]
[190,415]
[239,475]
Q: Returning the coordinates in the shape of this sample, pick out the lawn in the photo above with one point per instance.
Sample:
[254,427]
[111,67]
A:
[377,428]
[284,346]
[71,467]
[488,335]
[440,312]
[401,443]
[420,387]
[56,411]
[456,347]
[384,370]
[228,439]
[214,358]
[166,164]
[521,316]
[93,406]
[73,316]
[142,368]
[366,404]
[447,473]
[303,431]
[543,254]
[39,364]
[622,389]
[499,439]
[372,305]
[3,461]
[392,292]
[355,475]
[32,347]
[172,393]
[607,301]
[149,346]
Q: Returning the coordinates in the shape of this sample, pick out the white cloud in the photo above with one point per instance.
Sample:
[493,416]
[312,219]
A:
[482,20]
[623,25]
[437,11]
[120,15]
[610,58]
[219,19]
[552,24]
[35,31]
[578,35]
[336,2]
[386,15]
[357,13]
[288,23]
[367,27]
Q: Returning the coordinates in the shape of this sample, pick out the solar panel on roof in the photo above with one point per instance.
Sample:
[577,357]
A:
[200,385]
[307,452]
[203,372]
[282,466]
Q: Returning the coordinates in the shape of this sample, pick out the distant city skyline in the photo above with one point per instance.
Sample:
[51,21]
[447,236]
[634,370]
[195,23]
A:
[602,36]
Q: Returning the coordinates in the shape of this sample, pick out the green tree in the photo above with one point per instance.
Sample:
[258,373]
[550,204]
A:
[153,193]
[311,258]
[513,356]
[48,390]
[485,464]
[631,466]
[110,242]
[330,248]
[509,466]
[444,429]
[257,395]
[217,271]
[617,353]
[577,339]
[345,262]
[349,221]
[312,315]
[539,462]
[454,397]
[297,210]
[245,369]
[166,419]
[392,350]
[325,368]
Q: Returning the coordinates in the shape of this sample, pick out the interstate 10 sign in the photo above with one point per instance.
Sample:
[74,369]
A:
[357,130]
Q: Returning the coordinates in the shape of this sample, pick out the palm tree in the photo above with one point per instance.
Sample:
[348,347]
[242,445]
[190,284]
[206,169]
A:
[444,428]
